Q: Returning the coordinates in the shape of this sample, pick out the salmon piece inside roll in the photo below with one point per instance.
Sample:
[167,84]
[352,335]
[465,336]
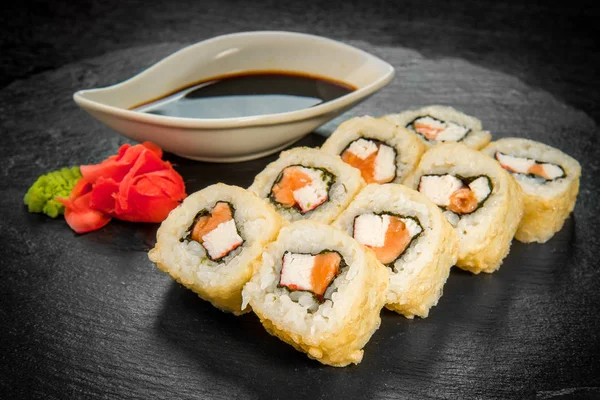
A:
[386,234]
[457,195]
[527,166]
[375,160]
[304,188]
[434,129]
[307,272]
[216,231]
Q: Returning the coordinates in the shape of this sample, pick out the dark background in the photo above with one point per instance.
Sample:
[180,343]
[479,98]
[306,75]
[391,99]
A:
[90,317]
[548,44]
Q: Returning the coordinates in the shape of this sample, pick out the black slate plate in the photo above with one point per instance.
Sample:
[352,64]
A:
[88,316]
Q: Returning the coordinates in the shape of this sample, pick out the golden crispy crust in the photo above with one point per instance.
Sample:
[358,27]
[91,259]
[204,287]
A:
[486,253]
[476,139]
[427,288]
[408,146]
[346,176]
[225,298]
[418,288]
[343,346]
[224,294]
[481,140]
[544,217]
[488,256]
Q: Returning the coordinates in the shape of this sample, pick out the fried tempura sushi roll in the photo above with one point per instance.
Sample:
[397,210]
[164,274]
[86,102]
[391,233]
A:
[307,183]
[211,241]
[411,237]
[382,151]
[441,124]
[550,182]
[479,198]
[320,291]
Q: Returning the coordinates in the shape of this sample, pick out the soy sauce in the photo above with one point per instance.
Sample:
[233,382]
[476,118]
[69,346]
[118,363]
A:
[247,94]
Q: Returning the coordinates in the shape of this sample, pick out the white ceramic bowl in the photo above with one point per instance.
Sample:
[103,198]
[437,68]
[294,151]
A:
[236,139]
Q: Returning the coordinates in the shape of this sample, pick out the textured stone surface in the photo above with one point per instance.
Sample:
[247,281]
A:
[90,317]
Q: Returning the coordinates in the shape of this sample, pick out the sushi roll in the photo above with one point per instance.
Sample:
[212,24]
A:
[411,237]
[211,242]
[550,182]
[320,291]
[382,151]
[441,124]
[306,183]
[479,198]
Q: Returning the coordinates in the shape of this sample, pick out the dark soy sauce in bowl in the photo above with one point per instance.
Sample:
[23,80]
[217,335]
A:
[247,94]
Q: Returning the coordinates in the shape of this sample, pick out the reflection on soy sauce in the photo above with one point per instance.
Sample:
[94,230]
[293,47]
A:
[247,94]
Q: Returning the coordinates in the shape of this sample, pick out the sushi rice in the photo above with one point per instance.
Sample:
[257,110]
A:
[485,231]
[453,126]
[548,199]
[357,135]
[219,280]
[319,287]
[332,330]
[329,184]
[418,275]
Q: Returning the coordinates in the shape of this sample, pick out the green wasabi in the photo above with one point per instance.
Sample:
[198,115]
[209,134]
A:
[40,197]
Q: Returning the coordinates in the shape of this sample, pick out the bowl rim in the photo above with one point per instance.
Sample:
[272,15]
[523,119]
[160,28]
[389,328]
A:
[227,123]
